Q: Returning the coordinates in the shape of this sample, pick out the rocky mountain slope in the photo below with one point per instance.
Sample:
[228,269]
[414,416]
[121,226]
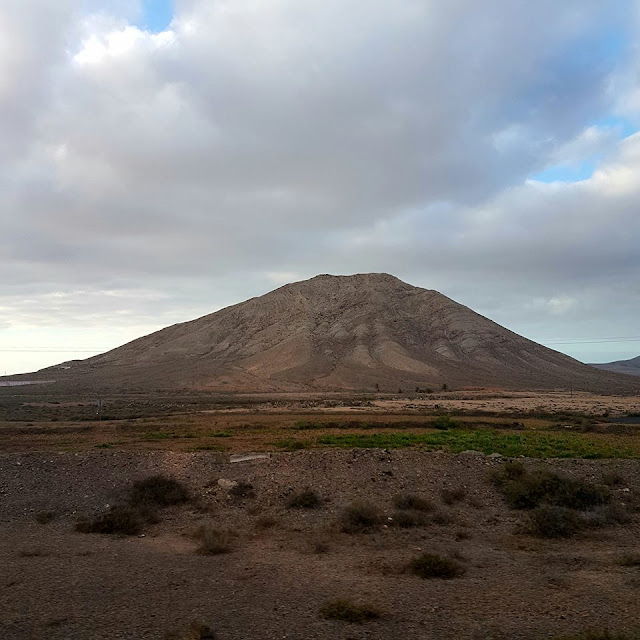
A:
[630,367]
[358,332]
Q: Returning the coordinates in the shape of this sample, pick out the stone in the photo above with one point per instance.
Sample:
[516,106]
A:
[246,457]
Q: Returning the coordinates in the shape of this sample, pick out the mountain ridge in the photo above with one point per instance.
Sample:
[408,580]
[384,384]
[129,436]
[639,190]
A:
[629,367]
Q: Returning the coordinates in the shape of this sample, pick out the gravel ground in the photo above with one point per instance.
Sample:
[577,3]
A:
[59,584]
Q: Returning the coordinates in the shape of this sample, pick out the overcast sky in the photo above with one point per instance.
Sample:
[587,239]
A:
[160,160]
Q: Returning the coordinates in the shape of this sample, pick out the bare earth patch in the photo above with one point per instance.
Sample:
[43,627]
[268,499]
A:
[61,584]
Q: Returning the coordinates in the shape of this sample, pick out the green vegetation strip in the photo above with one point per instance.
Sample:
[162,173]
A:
[487,441]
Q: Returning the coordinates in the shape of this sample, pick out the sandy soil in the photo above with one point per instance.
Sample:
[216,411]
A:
[59,584]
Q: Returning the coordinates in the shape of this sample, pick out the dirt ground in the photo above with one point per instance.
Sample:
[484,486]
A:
[60,584]
[285,564]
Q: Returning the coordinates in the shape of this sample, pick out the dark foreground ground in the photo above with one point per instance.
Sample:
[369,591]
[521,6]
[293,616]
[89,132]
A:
[285,564]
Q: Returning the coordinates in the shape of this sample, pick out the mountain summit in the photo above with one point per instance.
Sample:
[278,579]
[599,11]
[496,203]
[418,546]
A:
[357,332]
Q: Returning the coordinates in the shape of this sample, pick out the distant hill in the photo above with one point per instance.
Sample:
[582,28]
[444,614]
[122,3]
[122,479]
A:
[358,332]
[630,367]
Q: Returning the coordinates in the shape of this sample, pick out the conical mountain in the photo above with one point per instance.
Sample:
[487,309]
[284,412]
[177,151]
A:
[338,332]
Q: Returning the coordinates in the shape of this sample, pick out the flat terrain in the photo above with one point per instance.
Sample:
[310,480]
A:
[283,564]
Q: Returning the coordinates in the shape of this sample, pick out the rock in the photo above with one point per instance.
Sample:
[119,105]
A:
[471,452]
[495,455]
[227,484]
[246,457]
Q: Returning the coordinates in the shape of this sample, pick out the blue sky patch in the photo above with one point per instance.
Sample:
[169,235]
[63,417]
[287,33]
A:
[625,126]
[156,15]
[574,173]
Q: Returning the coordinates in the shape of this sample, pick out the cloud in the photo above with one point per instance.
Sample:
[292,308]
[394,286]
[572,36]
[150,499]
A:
[252,141]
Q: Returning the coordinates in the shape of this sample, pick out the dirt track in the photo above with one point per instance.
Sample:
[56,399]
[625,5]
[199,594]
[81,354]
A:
[58,584]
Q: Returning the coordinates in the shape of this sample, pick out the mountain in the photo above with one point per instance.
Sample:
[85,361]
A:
[337,332]
[630,367]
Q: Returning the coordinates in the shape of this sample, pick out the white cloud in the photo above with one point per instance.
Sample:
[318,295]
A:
[260,141]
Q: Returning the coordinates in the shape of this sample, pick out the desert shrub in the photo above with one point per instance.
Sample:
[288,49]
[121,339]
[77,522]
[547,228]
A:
[119,519]
[601,635]
[409,518]
[45,517]
[442,517]
[140,508]
[359,517]
[320,546]
[613,478]
[194,631]
[411,501]
[307,499]
[242,490]
[158,491]
[33,553]
[445,422]
[349,612]
[509,472]
[291,444]
[266,522]
[606,515]
[429,565]
[450,496]
[212,541]
[527,490]
[553,522]
[630,560]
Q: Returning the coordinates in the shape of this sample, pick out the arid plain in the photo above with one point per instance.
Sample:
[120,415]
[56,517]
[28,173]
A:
[322,533]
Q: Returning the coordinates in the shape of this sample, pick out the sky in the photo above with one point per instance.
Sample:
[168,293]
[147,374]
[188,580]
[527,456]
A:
[161,160]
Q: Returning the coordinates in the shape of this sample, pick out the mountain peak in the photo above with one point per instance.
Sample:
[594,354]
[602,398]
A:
[361,332]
